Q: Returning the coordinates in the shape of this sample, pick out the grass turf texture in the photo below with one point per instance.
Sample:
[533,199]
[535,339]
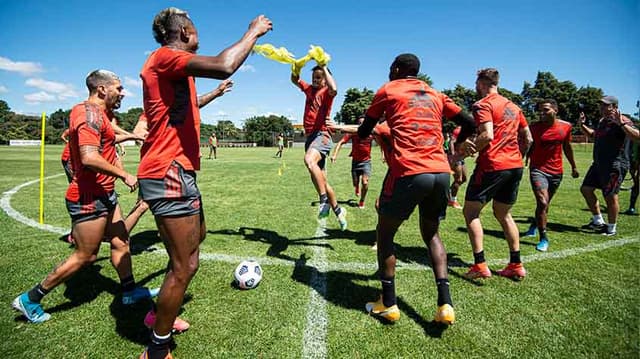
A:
[584,305]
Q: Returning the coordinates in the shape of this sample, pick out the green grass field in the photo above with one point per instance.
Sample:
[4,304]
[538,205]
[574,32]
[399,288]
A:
[579,300]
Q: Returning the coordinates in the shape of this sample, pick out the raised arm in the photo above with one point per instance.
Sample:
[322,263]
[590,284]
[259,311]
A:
[223,88]
[583,126]
[331,82]
[229,60]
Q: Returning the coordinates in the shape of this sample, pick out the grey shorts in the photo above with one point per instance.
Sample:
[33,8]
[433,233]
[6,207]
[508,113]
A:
[361,168]
[90,207]
[175,195]
[541,181]
[320,141]
[429,191]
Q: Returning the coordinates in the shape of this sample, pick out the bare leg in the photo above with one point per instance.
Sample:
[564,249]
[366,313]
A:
[590,197]
[471,213]
[502,212]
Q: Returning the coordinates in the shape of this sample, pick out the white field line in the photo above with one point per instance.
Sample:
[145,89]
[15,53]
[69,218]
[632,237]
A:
[314,340]
[5,204]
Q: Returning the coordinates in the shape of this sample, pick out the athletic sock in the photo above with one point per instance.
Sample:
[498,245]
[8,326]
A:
[128,284]
[444,297]
[597,219]
[324,198]
[337,210]
[479,257]
[37,293]
[159,346]
[388,291]
[543,233]
[514,257]
[611,227]
[454,199]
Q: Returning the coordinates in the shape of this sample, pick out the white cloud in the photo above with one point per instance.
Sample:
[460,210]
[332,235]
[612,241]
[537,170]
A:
[133,82]
[63,91]
[3,89]
[128,93]
[39,97]
[24,68]
[221,113]
[247,68]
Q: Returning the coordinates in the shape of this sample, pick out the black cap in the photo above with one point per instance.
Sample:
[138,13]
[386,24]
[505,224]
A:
[609,100]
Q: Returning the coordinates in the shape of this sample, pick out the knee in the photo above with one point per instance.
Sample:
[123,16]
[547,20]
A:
[365,181]
[85,259]
[309,162]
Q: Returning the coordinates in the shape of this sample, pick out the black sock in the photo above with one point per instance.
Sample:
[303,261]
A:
[324,198]
[159,347]
[515,257]
[543,233]
[37,293]
[479,257]
[444,297]
[388,291]
[337,210]
[128,284]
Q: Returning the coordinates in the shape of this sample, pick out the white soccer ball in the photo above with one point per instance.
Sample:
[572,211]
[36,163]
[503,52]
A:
[248,274]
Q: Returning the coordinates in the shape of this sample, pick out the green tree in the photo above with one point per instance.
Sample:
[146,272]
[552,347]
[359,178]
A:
[5,111]
[356,102]
[226,129]
[425,78]
[547,86]
[462,96]
[264,129]
[127,120]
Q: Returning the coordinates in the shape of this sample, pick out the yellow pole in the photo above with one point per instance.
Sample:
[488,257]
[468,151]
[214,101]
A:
[42,170]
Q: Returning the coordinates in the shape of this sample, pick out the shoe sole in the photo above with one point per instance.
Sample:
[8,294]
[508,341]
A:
[386,315]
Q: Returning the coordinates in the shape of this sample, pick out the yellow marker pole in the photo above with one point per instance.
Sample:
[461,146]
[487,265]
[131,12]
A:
[42,169]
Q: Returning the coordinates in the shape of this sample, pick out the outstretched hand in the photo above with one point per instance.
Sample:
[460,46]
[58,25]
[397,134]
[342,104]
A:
[225,86]
[261,25]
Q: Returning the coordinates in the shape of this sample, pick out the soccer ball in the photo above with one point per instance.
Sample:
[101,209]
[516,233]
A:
[248,274]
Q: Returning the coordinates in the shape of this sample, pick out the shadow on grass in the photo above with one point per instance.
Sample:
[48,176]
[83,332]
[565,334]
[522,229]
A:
[342,289]
[350,202]
[277,242]
[144,241]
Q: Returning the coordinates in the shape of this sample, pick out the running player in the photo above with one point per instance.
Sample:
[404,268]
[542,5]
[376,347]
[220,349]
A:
[459,171]
[418,176]
[280,140]
[360,162]
[498,171]
[91,200]
[551,136]
[170,153]
[319,98]
[610,163]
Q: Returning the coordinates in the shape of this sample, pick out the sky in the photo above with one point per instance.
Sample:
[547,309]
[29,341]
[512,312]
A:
[47,48]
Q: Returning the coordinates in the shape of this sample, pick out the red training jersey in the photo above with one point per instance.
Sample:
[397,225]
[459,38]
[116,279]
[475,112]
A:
[173,117]
[414,112]
[317,107]
[360,148]
[548,139]
[503,152]
[89,125]
[382,135]
[66,153]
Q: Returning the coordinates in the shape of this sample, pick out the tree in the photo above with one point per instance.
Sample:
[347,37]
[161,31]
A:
[127,120]
[356,102]
[264,129]
[5,111]
[227,130]
[547,86]
[425,78]
[462,96]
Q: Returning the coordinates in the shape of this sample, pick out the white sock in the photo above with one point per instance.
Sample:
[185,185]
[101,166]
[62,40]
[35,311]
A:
[597,218]
[454,199]
[611,227]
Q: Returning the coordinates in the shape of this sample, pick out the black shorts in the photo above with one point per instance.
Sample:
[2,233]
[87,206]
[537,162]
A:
[541,181]
[175,195]
[608,180]
[90,207]
[501,186]
[400,196]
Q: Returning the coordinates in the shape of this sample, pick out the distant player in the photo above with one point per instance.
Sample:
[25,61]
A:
[319,98]
[280,141]
[503,137]
[360,162]
[91,199]
[213,145]
[610,163]
[418,176]
[551,137]
[459,171]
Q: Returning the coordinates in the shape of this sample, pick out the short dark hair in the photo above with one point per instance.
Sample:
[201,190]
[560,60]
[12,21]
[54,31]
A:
[168,24]
[318,67]
[99,78]
[489,75]
[408,64]
[550,101]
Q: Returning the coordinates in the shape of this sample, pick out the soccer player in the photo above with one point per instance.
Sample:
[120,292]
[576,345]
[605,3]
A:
[170,153]
[91,200]
[459,172]
[551,137]
[418,176]
[280,145]
[610,163]
[319,98]
[634,171]
[213,145]
[360,162]
[498,171]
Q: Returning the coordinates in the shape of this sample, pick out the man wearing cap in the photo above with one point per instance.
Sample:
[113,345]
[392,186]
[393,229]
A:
[610,163]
